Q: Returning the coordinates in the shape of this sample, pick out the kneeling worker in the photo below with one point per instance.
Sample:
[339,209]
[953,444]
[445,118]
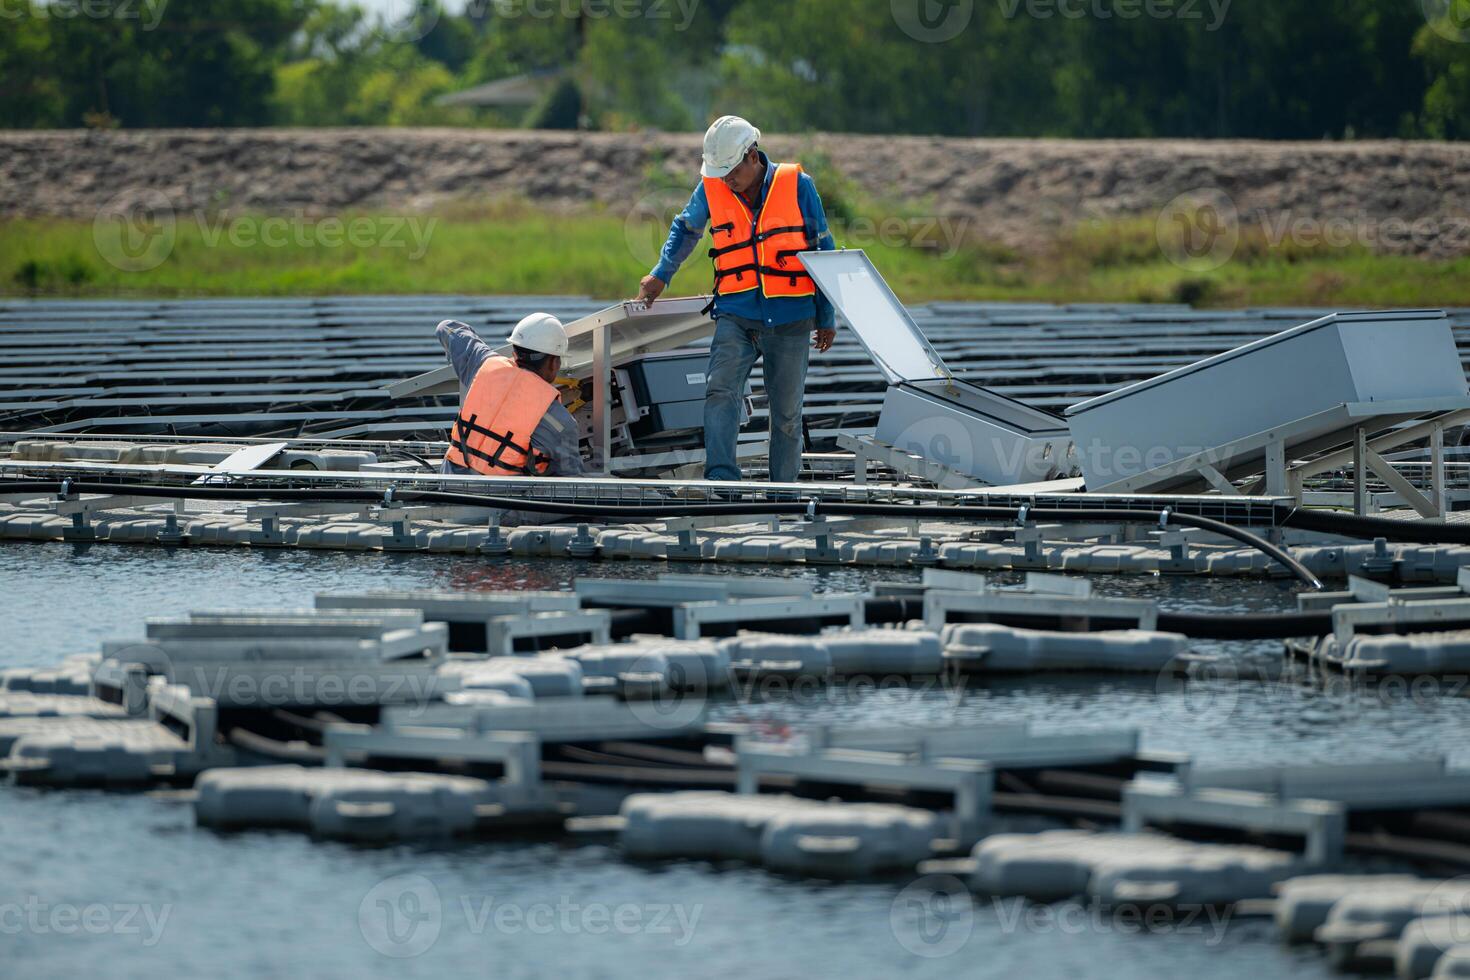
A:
[511,420]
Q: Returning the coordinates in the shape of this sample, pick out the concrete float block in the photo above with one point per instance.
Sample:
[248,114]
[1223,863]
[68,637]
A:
[1417,653]
[773,652]
[701,825]
[761,548]
[486,698]
[884,651]
[1323,561]
[129,530]
[549,675]
[496,681]
[262,796]
[451,540]
[90,752]
[635,543]
[23,704]
[66,678]
[1425,941]
[1448,562]
[341,804]
[540,542]
[1122,868]
[1203,874]
[390,807]
[1303,903]
[345,535]
[219,530]
[1384,912]
[850,840]
[1453,964]
[684,665]
[33,526]
[992,648]
[614,660]
[1051,865]
[888,553]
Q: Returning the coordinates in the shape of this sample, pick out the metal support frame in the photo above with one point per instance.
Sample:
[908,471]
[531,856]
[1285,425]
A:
[1347,618]
[503,631]
[1325,433]
[970,780]
[574,719]
[690,619]
[518,752]
[939,605]
[1323,823]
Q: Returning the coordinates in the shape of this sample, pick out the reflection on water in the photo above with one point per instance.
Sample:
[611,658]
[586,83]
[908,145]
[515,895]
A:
[259,903]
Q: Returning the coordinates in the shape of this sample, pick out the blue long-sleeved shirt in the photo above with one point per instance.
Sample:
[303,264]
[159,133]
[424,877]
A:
[556,435]
[688,228]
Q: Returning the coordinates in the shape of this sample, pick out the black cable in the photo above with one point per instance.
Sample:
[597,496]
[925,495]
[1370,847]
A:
[1353,526]
[683,508]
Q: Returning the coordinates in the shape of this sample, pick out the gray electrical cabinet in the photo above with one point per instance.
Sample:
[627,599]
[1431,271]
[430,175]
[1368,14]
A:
[927,411]
[1286,380]
[662,395]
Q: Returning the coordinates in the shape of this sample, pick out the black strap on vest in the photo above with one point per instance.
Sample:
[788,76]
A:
[460,440]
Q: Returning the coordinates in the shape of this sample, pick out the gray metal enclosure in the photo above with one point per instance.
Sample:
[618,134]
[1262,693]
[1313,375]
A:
[1343,359]
[927,411]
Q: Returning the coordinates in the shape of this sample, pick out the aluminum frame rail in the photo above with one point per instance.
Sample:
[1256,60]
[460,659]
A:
[1257,511]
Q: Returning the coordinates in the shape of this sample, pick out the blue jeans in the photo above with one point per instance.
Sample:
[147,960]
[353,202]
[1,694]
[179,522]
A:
[738,344]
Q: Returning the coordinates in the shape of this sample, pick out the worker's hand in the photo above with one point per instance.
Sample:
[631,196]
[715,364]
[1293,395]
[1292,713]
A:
[649,289]
[823,340]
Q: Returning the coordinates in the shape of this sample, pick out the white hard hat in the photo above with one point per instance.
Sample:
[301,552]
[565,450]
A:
[542,333]
[725,144]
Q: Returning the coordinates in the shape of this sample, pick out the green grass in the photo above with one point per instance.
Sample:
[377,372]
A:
[511,249]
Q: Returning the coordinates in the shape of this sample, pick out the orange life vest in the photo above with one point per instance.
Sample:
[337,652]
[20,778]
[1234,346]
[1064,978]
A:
[759,250]
[504,405]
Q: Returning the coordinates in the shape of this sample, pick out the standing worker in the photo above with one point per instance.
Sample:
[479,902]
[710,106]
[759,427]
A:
[511,420]
[765,303]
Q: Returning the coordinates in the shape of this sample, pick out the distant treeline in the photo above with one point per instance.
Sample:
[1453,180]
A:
[1305,69]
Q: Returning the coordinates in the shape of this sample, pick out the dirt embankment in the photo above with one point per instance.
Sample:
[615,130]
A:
[1393,196]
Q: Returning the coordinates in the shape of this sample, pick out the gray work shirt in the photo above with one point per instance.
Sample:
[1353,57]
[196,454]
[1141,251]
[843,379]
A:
[556,435]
